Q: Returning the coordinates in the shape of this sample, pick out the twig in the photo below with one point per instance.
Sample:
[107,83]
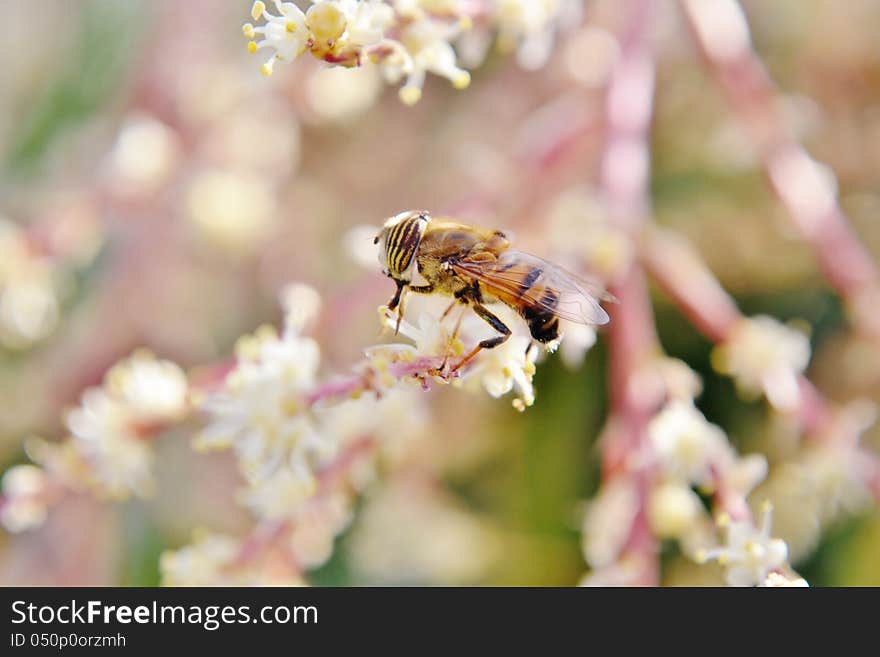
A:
[808,193]
[632,339]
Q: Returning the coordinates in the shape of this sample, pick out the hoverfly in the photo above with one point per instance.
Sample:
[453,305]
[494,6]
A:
[476,266]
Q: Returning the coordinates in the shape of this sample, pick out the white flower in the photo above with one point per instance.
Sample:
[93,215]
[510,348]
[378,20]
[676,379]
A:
[766,356]
[350,32]
[200,563]
[110,429]
[366,21]
[29,308]
[578,340]
[286,34]
[431,336]
[673,510]
[29,305]
[394,419]
[750,553]
[144,155]
[339,95]
[628,571]
[409,38]
[531,25]
[427,43]
[152,390]
[279,493]
[333,30]
[316,526]
[109,447]
[679,380]
[260,411]
[23,505]
[509,366]
[216,560]
[409,532]
[779,580]
[686,444]
[119,462]
[301,304]
[744,473]
[231,211]
[607,522]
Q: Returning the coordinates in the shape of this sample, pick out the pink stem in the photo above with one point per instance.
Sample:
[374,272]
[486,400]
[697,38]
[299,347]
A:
[806,193]
[365,380]
[632,338]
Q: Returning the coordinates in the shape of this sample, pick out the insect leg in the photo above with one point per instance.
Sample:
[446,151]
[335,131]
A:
[496,324]
[399,296]
[448,310]
[396,298]
[400,311]
[454,333]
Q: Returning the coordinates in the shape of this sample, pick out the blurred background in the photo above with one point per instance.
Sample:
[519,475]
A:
[157,191]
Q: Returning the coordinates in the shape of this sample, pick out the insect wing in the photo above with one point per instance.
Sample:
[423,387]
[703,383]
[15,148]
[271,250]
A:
[538,283]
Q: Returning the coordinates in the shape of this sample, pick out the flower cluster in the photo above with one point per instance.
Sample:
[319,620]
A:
[531,26]
[765,357]
[691,452]
[260,412]
[37,267]
[506,368]
[108,449]
[304,448]
[24,504]
[684,453]
[408,38]
[208,561]
[29,303]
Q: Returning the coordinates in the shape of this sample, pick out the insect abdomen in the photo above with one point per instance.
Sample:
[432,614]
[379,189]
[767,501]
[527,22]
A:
[543,323]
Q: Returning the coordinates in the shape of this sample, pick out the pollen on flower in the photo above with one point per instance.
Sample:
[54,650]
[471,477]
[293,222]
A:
[406,40]
[750,553]
[410,95]
[461,80]
[326,21]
